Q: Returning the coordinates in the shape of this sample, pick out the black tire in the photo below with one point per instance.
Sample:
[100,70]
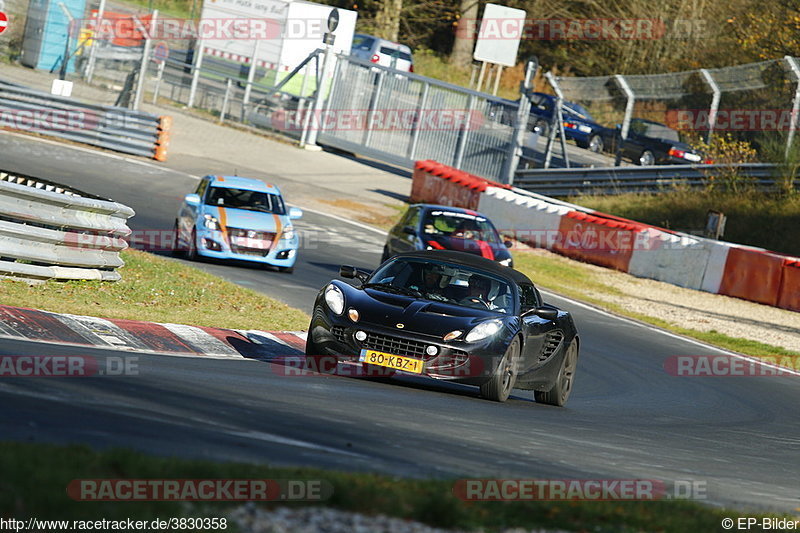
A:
[502,382]
[286,270]
[562,388]
[646,159]
[314,358]
[177,249]
[595,144]
[191,251]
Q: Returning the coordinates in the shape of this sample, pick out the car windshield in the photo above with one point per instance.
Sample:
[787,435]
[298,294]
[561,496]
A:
[245,199]
[444,282]
[362,42]
[578,110]
[459,226]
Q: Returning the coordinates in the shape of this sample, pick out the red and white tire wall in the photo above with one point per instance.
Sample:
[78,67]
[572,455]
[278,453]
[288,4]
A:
[639,249]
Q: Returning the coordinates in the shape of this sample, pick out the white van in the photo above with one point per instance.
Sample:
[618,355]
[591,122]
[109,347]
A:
[382,52]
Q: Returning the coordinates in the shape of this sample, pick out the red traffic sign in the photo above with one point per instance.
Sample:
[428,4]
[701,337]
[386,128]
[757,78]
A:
[3,22]
[161,52]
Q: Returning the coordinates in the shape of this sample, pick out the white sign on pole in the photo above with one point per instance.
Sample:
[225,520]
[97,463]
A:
[499,35]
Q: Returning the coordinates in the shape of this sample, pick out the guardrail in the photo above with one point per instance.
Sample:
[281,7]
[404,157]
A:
[48,231]
[114,128]
[619,180]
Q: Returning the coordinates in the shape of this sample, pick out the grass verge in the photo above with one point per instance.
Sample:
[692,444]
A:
[576,280]
[35,477]
[158,289]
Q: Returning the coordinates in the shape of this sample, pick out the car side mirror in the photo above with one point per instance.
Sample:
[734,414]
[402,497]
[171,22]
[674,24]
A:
[351,272]
[547,313]
[508,244]
[192,199]
[295,213]
[409,230]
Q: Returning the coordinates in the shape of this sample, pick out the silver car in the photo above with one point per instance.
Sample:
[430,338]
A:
[382,52]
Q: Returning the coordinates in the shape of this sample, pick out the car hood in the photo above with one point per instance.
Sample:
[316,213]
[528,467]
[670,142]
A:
[246,219]
[487,249]
[416,315]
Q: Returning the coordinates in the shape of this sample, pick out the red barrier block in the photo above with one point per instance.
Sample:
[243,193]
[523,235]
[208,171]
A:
[431,189]
[752,275]
[789,294]
[598,241]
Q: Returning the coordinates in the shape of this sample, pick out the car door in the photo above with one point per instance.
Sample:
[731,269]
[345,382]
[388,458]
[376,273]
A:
[636,142]
[534,330]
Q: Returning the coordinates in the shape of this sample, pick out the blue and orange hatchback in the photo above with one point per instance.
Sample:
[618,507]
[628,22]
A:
[230,217]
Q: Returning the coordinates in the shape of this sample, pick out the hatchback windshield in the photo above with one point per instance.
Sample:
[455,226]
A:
[245,199]
[459,226]
[444,282]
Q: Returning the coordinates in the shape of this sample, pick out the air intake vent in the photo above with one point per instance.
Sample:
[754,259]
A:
[551,343]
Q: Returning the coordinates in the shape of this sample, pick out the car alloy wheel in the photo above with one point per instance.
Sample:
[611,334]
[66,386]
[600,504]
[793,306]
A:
[502,382]
[596,144]
[562,388]
[647,159]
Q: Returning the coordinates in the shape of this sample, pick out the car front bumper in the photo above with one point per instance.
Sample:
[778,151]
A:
[213,244]
[471,364]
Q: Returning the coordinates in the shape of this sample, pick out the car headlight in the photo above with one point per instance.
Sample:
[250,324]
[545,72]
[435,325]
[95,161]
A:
[484,330]
[211,223]
[585,129]
[288,233]
[334,298]
[505,262]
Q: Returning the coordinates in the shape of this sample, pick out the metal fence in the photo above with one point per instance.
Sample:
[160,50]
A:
[755,102]
[48,231]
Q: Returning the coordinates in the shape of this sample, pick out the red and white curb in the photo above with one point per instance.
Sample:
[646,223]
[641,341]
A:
[149,337]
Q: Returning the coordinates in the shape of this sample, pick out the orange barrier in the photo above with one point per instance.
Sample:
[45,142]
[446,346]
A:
[752,275]
[440,184]
[789,293]
[162,143]
[597,240]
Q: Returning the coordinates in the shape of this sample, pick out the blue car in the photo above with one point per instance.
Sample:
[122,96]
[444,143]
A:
[578,123]
[229,217]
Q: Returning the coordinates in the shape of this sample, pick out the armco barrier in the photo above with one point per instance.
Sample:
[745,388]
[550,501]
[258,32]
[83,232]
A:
[789,294]
[639,249]
[113,128]
[51,232]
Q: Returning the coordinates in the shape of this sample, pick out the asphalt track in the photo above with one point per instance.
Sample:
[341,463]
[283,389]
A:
[628,418]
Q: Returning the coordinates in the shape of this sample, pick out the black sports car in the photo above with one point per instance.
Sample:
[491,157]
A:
[652,143]
[451,316]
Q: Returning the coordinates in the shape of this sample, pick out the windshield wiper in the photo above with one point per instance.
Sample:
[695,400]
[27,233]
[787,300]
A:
[393,288]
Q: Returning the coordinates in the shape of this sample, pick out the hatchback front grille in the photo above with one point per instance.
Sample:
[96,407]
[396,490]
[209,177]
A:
[250,242]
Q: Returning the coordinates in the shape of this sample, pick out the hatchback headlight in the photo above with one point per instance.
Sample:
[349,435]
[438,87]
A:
[506,262]
[211,223]
[334,298]
[288,233]
[484,330]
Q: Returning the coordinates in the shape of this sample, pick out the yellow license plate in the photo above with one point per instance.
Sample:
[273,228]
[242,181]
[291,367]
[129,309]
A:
[398,362]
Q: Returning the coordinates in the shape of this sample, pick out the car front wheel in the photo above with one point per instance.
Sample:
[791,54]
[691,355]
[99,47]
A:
[596,144]
[499,387]
[647,159]
[562,388]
